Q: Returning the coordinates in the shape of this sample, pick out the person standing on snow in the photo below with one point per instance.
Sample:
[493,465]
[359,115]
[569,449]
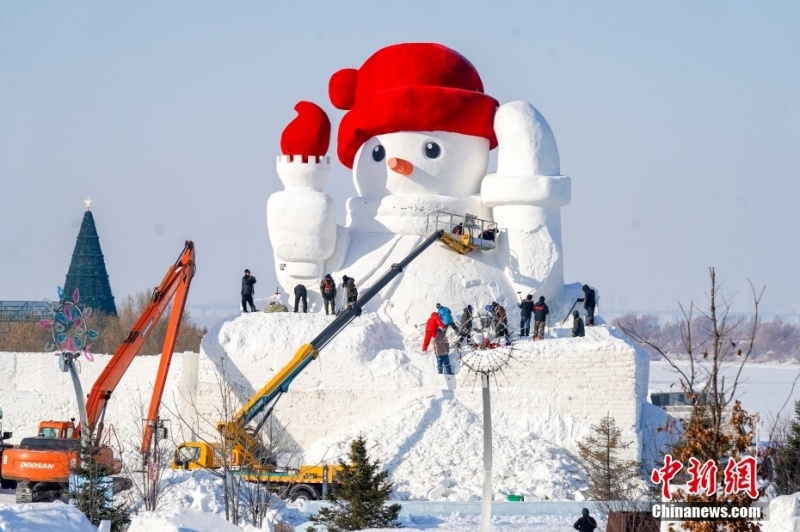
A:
[327,287]
[577,325]
[466,324]
[540,312]
[500,320]
[350,290]
[447,317]
[442,349]
[300,293]
[586,523]
[589,303]
[525,315]
[431,328]
[248,290]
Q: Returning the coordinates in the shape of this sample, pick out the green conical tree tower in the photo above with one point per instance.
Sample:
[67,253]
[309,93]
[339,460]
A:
[87,270]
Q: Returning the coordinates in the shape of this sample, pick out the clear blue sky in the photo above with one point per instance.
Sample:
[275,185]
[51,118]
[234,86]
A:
[677,121]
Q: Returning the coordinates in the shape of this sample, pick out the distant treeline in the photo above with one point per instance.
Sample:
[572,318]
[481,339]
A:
[775,340]
[30,337]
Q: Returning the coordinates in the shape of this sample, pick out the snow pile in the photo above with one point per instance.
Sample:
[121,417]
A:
[43,517]
[179,521]
[434,449]
[784,514]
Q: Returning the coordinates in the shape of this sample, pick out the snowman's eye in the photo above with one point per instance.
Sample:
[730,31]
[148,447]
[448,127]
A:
[378,153]
[432,150]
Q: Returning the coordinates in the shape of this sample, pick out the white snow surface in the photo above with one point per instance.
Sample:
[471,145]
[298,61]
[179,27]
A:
[43,517]
[197,497]
[374,380]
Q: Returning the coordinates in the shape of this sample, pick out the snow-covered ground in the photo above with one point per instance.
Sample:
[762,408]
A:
[765,389]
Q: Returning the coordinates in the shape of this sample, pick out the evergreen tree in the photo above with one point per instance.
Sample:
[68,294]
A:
[87,269]
[610,477]
[92,489]
[787,460]
[359,502]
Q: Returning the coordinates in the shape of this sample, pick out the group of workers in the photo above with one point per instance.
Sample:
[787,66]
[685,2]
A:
[442,319]
[327,287]
[496,317]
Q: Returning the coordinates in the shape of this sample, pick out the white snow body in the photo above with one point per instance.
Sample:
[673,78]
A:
[389,217]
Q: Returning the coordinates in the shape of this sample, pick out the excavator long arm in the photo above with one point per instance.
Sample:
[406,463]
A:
[183,280]
[178,277]
[279,384]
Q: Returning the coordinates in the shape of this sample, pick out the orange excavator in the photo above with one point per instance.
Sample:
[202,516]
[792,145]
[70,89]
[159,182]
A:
[41,465]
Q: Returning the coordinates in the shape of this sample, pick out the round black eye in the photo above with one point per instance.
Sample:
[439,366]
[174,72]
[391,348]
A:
[432,150]
[378,153]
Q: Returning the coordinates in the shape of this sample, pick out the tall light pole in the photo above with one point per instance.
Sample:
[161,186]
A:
[485,355]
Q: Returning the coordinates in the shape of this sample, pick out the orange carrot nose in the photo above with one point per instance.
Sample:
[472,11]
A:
[401,166]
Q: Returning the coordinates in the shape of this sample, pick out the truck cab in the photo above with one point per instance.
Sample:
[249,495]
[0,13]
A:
[56,429]
[197,455]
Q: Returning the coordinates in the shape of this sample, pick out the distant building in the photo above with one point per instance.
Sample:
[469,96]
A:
[16,311]
[678,405]
[87,270]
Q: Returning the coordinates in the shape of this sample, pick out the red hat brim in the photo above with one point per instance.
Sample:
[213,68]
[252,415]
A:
[416,108]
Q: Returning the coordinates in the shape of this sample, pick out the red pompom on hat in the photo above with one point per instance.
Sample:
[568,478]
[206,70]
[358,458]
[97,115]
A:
[410,87]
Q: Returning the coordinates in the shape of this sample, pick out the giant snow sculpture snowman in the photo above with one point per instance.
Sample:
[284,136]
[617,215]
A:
[417,135]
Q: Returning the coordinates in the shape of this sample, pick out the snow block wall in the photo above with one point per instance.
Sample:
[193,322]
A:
[372,375]
[373,380]
[34,389]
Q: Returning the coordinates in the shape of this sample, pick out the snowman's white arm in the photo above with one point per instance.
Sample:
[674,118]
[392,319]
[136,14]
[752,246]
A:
[302,218]
[528,170]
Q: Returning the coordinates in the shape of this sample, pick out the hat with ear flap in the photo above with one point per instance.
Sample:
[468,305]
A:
[410,87]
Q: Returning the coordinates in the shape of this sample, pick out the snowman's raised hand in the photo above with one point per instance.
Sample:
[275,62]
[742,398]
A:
[302,219]
[526,145]
[528,165]
[308,134]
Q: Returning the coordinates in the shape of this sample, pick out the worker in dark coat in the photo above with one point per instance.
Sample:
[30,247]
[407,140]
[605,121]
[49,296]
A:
[431,327]
[589,303]
[350,291]
[248,290]
[327,287]
[466,324]
[540,312]
[301,294]
[586,523]
[500,321]
[577,325]
[525,315]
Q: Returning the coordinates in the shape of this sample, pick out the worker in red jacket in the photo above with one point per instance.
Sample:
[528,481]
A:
[434,324]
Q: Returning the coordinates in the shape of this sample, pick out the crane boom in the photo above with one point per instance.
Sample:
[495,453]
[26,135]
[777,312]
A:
[279,384]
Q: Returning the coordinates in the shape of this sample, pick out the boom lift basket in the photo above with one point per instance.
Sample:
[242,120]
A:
[463,233]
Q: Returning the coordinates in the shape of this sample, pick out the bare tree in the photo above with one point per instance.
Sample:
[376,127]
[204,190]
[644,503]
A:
[719,430]
[247,486]
[147,473]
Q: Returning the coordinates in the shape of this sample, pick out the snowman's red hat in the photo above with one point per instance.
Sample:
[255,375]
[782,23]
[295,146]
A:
[410,87]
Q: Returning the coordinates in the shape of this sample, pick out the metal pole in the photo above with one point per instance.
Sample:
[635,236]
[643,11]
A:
[486,504]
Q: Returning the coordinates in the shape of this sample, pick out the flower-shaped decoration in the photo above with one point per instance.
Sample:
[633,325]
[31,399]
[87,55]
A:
[70,332]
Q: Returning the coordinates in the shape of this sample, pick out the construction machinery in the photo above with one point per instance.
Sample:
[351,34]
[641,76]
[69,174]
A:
[241,449]
[4,484]
[41,465]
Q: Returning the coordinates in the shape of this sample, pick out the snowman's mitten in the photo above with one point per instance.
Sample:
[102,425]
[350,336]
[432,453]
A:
[528,170]
[304,143]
